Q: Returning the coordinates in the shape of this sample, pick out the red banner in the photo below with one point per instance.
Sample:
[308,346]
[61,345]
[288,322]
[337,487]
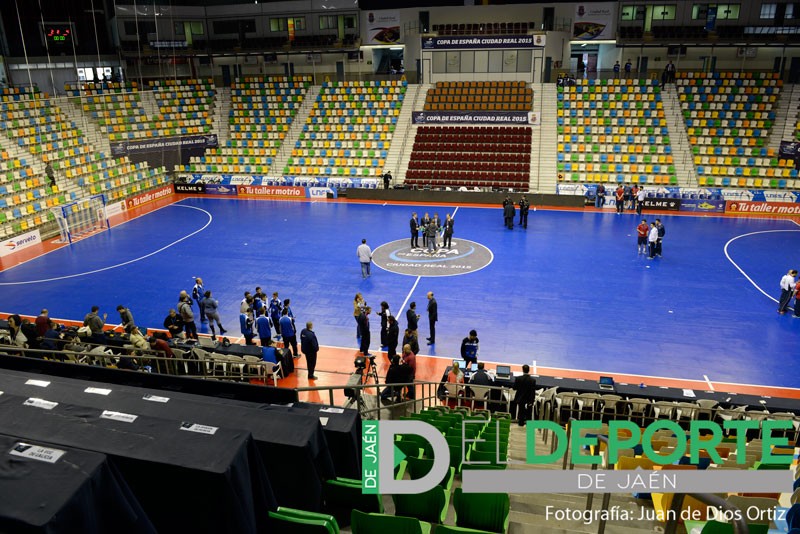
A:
[763,208]
[272,191]
[150,196]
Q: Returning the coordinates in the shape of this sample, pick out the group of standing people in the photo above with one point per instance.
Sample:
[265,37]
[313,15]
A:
[431,228]
[626,196]
[650,238]
[509,212]
[790,287]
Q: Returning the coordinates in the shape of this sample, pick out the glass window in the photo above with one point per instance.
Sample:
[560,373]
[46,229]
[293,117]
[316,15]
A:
[277,25]
[299,23]
[349,22]
[699,11]
[628,13]
[789,11]
[664,12]
[327,22]
[768,11]
[727,11]
[178,28]
[197,28]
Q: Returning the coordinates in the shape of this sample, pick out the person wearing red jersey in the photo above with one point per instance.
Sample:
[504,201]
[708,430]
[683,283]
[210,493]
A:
[619,197]
[641,233]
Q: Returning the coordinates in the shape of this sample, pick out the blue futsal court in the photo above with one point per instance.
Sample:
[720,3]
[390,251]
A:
[569,292]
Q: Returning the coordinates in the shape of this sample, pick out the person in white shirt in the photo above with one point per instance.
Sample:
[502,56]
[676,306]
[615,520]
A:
[652,240]
[365,257]
[640,200]
[787,290]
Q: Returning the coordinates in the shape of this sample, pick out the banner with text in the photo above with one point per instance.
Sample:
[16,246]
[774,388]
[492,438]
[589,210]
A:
[702,205]
[767,208]
[475,117]
[482,41]
[594,21]
[669,204]
[150,196]
[166,151]
[790,150]
[274,191]
[20,242]
[383,27]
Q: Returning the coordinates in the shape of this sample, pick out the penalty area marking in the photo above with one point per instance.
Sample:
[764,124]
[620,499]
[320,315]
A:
[135,260]
[773,299]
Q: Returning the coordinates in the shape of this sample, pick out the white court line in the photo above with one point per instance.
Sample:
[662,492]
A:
[770,297]
[95,271]
[710,385]
[408,296]
[400,311]
[176,203]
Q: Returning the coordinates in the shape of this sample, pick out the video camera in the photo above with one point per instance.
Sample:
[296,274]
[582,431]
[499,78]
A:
[361,362]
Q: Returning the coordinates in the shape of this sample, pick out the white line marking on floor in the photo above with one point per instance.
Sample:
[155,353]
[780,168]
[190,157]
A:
[741,270]
[66,277]
[408,297]
[710,385]
[176,203]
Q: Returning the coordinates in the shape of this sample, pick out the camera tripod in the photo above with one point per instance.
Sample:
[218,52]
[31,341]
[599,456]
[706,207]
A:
[368,374]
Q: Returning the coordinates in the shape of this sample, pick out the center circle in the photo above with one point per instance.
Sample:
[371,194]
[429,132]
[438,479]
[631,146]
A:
[463,257]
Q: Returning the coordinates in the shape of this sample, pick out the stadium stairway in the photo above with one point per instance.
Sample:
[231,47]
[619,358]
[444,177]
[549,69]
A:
[289,142]
[37,165]
[400,152]
[91,129]
[544,172]
[528,513]
[786,112]
[220,117]
[682,150]
[149,103]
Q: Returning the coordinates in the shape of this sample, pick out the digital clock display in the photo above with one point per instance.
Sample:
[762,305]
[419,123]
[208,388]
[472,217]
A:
[59,34]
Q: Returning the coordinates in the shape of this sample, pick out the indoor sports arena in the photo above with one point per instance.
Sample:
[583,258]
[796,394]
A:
[454,266]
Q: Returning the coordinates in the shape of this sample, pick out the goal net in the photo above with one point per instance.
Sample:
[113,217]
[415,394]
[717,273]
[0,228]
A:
[81,218]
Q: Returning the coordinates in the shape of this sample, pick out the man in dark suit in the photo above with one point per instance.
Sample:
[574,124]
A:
[525,387]
[448,231]
[414,224]
[508,215]
[363,325]
[424,222]
[412,317]
[310,347]
[433,316]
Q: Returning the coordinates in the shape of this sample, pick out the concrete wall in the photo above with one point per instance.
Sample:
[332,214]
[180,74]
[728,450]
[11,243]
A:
[458,197]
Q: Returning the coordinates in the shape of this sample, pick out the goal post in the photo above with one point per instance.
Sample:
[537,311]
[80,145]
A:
[81,218]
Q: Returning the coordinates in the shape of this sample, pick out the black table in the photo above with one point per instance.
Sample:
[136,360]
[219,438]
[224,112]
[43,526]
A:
[342,431]
[186,481]
[657,393]
[79,492]
[292,444]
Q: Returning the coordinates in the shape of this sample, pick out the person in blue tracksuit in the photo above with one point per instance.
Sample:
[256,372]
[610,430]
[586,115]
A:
[246,325]
[469,348]
[263,327]
[288,333]
[275,309]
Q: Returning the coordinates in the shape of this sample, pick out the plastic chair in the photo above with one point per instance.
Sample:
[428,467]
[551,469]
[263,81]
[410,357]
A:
[295,521]
[343,495]
[483,511]
[363,523]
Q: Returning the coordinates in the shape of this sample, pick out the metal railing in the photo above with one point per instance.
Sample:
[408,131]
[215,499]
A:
[674,514]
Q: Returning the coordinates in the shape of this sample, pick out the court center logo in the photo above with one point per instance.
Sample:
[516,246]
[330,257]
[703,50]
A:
[463,257]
